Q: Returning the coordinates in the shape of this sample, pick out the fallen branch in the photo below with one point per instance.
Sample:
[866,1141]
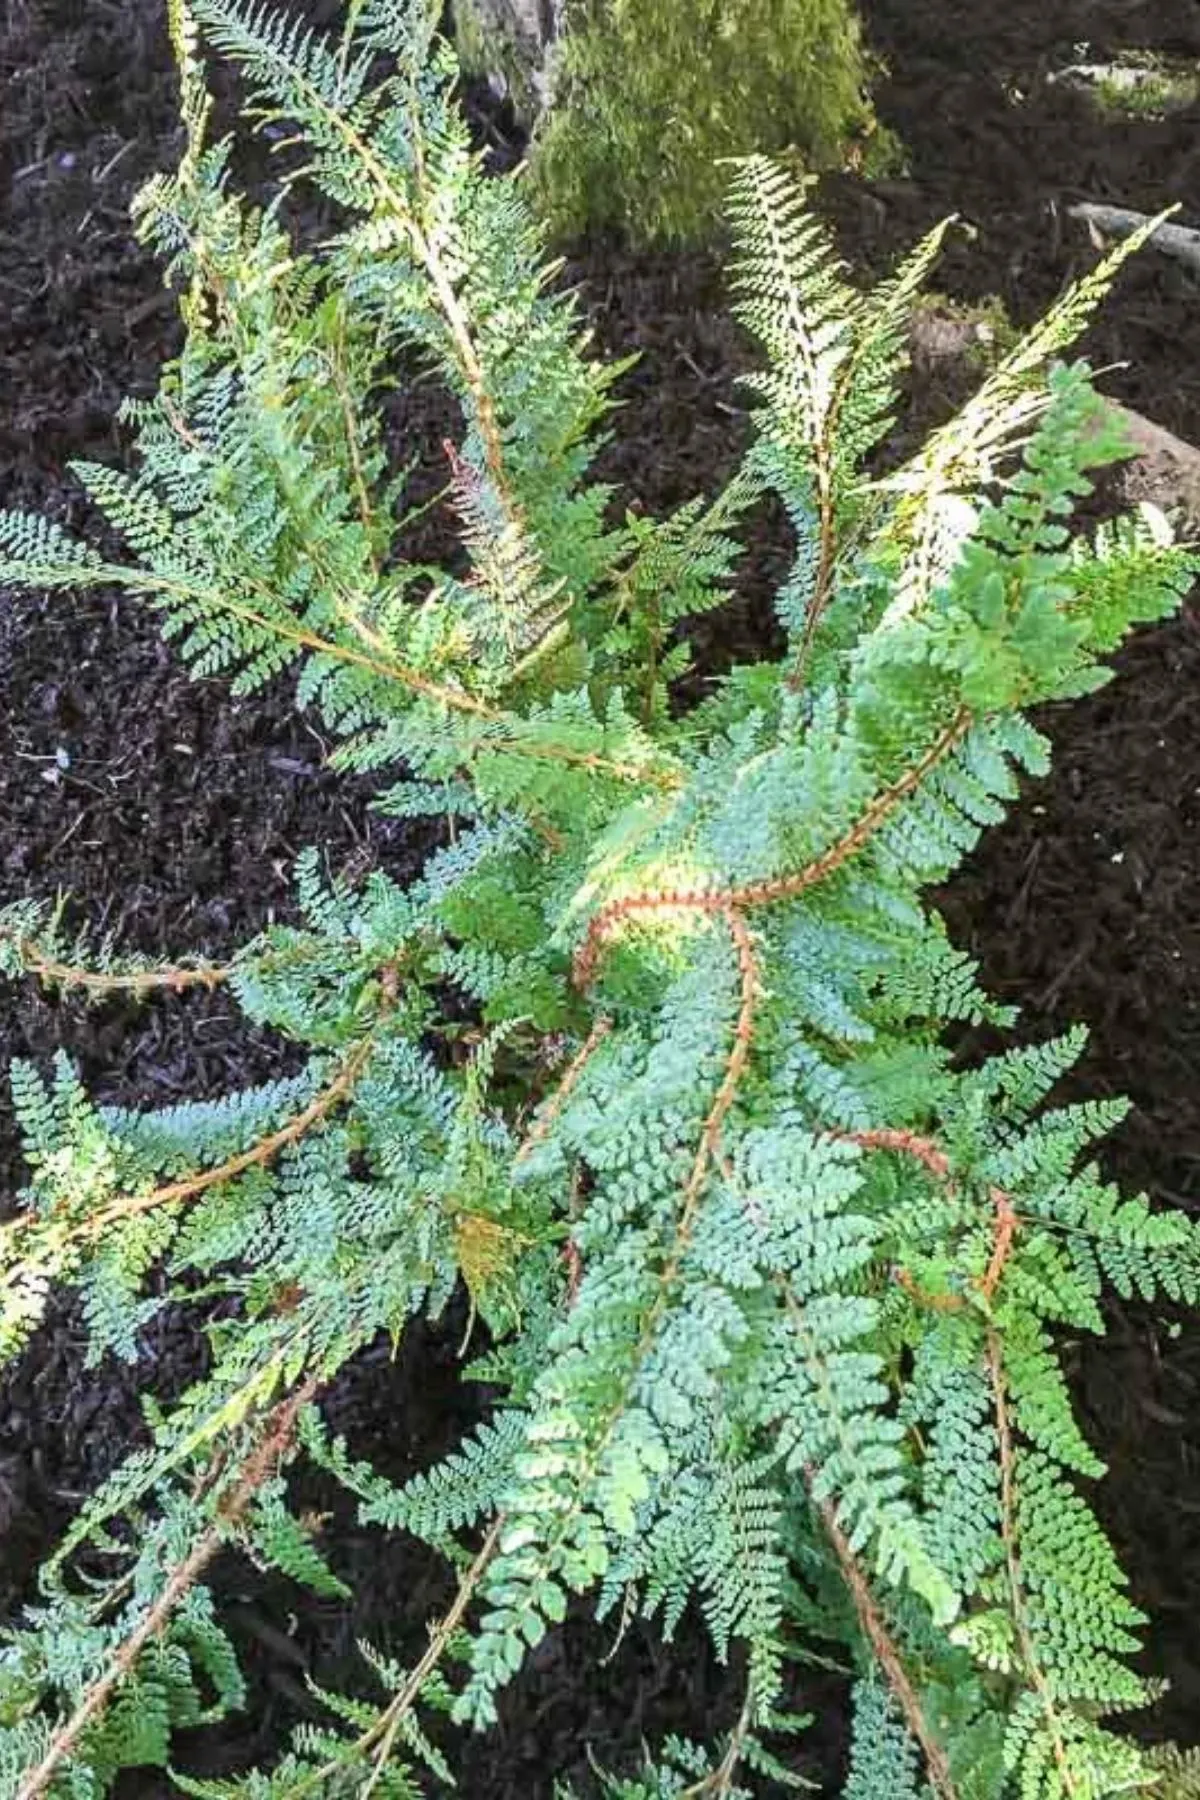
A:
[1165,470]
[1177,241]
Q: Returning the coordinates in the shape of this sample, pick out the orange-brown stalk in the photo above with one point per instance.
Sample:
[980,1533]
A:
[783,887]
[273,1444]
[552,1108]
[265,1151]
[933,1158]
[739,1057]
[67,975]
[887,1654]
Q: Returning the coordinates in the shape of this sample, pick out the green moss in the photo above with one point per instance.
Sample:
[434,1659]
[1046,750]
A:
[1137,84]
[486,48]
[1152,97]
[650,95]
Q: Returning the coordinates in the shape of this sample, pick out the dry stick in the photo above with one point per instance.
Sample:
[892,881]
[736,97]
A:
[887,1655]
[1118,221]
[274,1444]
[1012,1556]
[783,887]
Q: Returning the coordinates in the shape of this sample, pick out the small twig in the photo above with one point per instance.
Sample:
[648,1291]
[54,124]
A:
[274,1444]
[1177,241]
[887,1654]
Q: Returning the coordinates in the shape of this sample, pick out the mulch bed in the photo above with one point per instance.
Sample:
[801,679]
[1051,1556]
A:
[172,814]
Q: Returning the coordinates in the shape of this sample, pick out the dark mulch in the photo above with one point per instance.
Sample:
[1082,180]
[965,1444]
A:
[173,814]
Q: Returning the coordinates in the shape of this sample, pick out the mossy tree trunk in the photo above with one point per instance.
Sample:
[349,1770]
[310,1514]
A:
[510,41]
[636,106]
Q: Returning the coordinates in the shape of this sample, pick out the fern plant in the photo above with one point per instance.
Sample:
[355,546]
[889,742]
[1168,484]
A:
[767,1284]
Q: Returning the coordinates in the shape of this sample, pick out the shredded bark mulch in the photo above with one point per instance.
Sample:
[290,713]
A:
[171,814]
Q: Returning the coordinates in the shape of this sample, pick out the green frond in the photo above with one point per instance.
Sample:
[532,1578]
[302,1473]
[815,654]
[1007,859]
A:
[649,1059]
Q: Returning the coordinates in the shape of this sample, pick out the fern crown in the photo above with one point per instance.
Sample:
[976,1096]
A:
[766,1286]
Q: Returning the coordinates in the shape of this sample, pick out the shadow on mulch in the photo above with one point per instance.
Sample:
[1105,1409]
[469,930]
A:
[172,814]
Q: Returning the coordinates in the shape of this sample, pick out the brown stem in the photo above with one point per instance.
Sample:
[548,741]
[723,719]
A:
[380,1735]
[274,1444]
[265,1151]
[735,1068]
[35,961]
[938,1163]
[708,1148]
[783,887]
[1006,1231]
[903,1143]
[926,1152]
[552,1108]
[887,1654]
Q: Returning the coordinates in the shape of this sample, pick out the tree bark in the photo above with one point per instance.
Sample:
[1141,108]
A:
[510,42]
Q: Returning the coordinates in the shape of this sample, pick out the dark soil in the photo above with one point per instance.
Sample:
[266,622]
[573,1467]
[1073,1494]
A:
[172,814]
